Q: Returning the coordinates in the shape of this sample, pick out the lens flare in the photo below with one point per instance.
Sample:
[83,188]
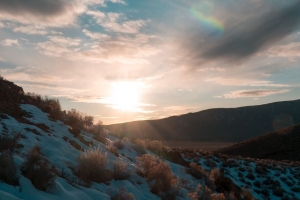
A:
[208,21]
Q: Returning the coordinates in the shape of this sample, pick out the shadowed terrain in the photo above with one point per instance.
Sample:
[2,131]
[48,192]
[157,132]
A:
[216,125]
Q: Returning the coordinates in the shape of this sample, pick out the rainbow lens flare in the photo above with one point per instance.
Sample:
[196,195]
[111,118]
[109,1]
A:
[210,22]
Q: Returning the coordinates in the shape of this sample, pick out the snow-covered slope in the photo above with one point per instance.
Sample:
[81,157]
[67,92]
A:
[55,146]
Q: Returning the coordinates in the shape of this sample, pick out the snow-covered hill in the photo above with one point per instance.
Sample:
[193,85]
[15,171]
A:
[209,177]
[56,147]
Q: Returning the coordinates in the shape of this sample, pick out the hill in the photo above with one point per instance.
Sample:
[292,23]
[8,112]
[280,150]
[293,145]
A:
[279,145]
[216,125]
[45,158]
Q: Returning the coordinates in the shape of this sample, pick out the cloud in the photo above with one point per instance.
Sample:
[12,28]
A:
[122,49]
[33,30]
[244,82]
[1,25]
[291,50]
[58,46]
[116,22]
[245,33]
[252,93]
[2,59]
[9,42]
[53,13]
[95,36]
[118,1]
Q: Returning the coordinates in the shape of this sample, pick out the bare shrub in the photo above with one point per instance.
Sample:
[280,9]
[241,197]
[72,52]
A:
[203,192]
[38,170]
[278,191]
[91,165]
[154,169]
[120,170]
[247,195]
[214,174]
[120,144]
[111,148]
[8,169]
[155,146]
[46,104]
[139,146]
[123,195]
[250,176]
[197,171]
[9,141]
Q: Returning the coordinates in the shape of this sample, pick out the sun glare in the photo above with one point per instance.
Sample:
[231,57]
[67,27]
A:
[125,95]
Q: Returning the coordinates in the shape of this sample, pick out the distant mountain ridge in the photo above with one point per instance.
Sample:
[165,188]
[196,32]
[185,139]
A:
[278,145]
[219,124]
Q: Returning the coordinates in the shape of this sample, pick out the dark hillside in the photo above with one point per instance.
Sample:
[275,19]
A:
[11,96]
[220,124]
[279,145]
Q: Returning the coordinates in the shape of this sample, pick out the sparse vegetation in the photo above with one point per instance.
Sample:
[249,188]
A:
[9,141]
[120,144]
[153,168]
[8,169]
[123,195]
[38,170]
[92,165]
[120,170]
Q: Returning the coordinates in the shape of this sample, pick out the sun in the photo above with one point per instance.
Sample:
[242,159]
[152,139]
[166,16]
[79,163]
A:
[125,96]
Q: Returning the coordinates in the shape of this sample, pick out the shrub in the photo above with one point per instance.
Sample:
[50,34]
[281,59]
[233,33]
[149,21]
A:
[120,144]
[46,104]
[214,174]
[9,142]
[278,191]
[111,148]
[155,146]
[154,169]
[257,184]
[139,146]
[38,170]
[197,171]
[296,189]
[8,170]
[91,165]
[205,193]
[120,170]
[123,195]
[250,176]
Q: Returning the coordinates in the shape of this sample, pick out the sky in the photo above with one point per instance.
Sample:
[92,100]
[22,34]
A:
[127,60]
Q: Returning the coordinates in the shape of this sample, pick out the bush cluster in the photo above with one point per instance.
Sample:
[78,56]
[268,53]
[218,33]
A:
[154,169]
[38,170]
[9,141]
[92,166]
[120,170]
[8,169]
[123,195]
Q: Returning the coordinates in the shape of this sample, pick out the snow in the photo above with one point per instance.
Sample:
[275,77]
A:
[63,156]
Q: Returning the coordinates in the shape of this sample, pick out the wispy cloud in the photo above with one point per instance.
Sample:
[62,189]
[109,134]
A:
[2,59]
[116,22]
[291,50]
[95,36]
[33,30]
[122,49]
[244,82]
[252,93]
[9,42]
